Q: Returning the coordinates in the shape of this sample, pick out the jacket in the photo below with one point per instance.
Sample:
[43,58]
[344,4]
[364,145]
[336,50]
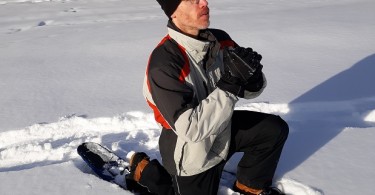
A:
[195,115]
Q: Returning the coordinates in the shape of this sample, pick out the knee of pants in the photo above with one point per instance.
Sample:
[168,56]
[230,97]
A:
[279,127]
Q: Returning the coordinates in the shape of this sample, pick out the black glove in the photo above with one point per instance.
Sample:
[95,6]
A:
[242,71]
[241,62]
[230,84]
[255,82]
[234,85]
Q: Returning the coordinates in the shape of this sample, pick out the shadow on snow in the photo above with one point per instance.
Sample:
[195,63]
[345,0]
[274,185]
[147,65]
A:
[354,86]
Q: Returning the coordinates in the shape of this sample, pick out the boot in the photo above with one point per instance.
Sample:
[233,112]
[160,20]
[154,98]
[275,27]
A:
[138,162]
[241,188]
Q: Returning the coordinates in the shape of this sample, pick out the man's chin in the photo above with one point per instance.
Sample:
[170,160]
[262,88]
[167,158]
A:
[204,25]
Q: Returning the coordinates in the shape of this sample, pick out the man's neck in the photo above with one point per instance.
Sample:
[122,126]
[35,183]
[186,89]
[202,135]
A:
[191,33]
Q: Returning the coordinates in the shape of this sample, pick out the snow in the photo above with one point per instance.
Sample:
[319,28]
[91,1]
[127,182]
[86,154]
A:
[72,70]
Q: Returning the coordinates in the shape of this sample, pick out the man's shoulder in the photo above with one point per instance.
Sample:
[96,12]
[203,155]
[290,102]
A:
[220,34]
[166,52]
[166,47]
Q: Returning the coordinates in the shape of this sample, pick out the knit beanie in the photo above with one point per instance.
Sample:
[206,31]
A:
[169,6]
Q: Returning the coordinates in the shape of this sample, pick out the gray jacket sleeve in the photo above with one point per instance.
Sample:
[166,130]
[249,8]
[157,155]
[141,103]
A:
[192,121]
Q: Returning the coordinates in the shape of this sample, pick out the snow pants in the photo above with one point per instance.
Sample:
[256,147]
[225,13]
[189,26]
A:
[259,136]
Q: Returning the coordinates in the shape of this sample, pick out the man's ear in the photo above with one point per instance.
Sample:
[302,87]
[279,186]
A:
[174,14]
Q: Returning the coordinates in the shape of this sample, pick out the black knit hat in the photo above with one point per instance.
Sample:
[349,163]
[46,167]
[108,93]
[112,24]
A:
[169,6]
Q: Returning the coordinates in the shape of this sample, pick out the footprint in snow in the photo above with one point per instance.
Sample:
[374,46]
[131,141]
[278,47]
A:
[45,23]
[73,10]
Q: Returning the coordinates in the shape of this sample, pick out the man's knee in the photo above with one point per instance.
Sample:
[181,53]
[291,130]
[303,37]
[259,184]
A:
[279,128]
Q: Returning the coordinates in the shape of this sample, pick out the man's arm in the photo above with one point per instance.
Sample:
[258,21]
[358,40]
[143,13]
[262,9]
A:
[192,121]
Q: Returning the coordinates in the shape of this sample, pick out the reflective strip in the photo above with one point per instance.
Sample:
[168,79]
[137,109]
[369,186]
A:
[158,117]
[178,187]
[226,43]
[138,171]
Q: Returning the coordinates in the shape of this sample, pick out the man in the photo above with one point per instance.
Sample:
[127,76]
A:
[193,81]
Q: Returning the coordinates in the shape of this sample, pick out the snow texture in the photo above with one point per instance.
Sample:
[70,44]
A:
[71,71]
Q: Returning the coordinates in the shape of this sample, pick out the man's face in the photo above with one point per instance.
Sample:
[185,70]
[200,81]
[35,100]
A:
[192,16]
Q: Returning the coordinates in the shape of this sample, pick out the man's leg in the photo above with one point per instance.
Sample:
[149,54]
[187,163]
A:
[261,137]
[156,179]
[206,183]
[148,177]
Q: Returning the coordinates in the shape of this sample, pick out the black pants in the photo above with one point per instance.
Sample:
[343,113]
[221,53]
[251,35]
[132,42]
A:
[259,136]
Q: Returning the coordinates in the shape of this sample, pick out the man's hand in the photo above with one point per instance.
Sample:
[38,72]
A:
[242,71]
[241,62]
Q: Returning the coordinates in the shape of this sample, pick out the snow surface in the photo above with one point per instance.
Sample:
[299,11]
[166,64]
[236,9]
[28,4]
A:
[72,71]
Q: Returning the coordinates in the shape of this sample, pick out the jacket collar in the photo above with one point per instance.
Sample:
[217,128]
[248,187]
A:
[197,48]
